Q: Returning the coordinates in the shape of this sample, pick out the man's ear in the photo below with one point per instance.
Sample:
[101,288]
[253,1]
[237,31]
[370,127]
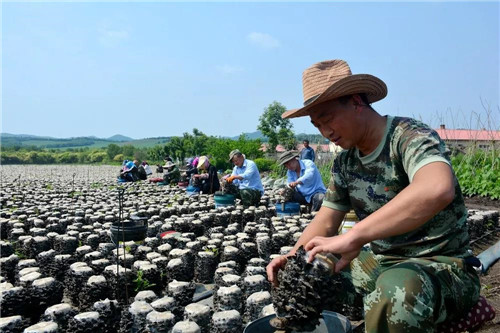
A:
[357,100]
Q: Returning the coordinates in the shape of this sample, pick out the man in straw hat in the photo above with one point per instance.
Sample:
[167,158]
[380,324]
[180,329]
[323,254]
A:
[208,176]
[247,177]
[396,174]
[304,177]
[172,174]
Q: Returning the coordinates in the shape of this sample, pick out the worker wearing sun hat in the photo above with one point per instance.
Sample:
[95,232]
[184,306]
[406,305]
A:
[247,177]
[396,174]
[208,175]
[172,174]
[304,177]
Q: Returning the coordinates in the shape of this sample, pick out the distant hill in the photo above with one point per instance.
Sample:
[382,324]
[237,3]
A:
[8,135]
[252,136]
[26,140]
[120,138]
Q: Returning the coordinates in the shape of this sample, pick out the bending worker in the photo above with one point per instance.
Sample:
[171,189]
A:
[247,177]
[172,174]
[209,180]
[304,177]
[396,174]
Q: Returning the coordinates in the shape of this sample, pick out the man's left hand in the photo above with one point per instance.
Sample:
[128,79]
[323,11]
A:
[293,184]
[341,244]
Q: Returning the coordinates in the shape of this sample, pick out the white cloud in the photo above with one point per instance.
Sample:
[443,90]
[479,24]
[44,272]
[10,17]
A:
[264,40]
[228,69]
[109,37]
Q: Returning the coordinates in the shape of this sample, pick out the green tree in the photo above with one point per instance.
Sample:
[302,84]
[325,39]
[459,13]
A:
[286,138]
[113,150]
[128,151]
[156,153]
[275,128]
[140,154]
[176,148]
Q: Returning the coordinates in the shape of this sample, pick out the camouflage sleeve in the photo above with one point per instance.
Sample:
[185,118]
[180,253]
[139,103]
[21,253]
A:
[337,196]
[419,145]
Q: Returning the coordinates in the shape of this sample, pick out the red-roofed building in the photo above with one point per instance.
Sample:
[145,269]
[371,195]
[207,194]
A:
[462,138]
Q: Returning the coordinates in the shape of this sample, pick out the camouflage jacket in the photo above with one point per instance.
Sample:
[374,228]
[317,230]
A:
[366,183]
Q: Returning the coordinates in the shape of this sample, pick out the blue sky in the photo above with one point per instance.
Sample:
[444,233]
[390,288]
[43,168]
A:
[161,69]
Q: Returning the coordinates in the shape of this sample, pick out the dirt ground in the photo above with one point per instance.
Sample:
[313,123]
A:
[490,282]
[484,203]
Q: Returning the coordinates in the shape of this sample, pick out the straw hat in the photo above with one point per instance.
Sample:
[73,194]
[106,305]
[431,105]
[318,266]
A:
[168,164]
[201,161]
[287,156]
[331,79]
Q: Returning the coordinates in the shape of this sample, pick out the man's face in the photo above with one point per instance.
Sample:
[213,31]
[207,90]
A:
[292,164]
[337,122]
[238,160]
[306,144]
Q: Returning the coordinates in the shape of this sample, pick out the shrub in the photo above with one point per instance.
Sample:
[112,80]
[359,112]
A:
[277,171]
[264,164]
[97,156]
[119,158]
[478,173]
[67,157]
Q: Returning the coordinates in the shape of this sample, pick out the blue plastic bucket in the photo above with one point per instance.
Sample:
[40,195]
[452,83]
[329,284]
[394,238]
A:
[224,200]
[331,322]
[190,190]
[291,208]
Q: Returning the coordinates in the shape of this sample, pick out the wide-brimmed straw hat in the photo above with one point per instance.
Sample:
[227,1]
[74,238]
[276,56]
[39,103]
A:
[201,161]
[332,79]
[168,164]
[287,156]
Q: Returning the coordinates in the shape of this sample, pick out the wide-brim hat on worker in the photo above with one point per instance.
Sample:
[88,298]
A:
[287,156]
[232,153]
[330,79]
[168,164]
[202,161]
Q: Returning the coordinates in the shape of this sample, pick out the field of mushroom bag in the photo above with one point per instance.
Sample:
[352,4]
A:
[198,269]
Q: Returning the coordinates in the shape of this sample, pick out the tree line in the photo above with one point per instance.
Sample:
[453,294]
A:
[276,130]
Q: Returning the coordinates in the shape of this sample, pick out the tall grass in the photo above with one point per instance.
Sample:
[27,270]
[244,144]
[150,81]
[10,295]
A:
[325,168]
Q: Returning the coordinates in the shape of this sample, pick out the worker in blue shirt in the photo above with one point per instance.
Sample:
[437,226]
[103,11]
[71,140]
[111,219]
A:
[307,153]
[247,177]
[304,177]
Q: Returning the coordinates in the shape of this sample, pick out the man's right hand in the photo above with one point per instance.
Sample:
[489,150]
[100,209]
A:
[274,266]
